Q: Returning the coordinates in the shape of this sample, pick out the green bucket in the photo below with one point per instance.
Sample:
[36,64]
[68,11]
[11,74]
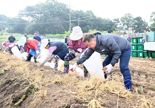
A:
[134,54]
[134,47]
[145,54]
[140,47]
[140,54]
[134,40]
[140,40]
[153,54]
[149,54]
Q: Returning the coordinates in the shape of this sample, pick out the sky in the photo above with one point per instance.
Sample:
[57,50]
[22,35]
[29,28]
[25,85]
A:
[101,8]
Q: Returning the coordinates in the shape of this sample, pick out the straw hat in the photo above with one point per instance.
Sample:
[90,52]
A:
[76,33]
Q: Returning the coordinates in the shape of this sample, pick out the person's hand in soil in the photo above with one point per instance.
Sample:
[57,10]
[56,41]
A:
[79,50]
[108,69]
[73,67]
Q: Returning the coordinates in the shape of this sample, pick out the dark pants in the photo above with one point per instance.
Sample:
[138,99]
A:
[67,58]
[124,67]
[29,58]
[62,54]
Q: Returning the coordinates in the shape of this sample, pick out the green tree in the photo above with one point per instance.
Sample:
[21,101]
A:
[17,25]
[152,21]
[53,17]
[139,25]
[3,22]
[127,21]
[48,17]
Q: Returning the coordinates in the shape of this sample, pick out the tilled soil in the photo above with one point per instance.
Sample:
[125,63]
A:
[25,85]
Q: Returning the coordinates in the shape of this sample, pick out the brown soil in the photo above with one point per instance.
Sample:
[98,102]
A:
[25,85]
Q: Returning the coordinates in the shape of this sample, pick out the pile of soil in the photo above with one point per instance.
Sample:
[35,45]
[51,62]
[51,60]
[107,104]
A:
[25,85]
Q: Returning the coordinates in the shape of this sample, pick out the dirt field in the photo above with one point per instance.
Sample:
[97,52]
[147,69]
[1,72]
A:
[25,85]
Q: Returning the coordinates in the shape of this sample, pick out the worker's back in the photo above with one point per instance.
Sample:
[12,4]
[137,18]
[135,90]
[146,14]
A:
[110,41]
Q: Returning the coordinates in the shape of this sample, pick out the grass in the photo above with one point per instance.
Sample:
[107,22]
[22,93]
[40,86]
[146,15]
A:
[4,36]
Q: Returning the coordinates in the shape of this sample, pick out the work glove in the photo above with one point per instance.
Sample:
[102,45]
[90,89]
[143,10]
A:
[73,67]
[108,69]
[70,56]
[37,52]
[79,50]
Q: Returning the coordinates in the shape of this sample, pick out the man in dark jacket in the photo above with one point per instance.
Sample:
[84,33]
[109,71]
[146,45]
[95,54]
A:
[117,48]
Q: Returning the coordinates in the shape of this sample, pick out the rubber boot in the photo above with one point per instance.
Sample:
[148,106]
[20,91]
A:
[66,66]
[85,72]
[29,57]
[56,63]
[35,59]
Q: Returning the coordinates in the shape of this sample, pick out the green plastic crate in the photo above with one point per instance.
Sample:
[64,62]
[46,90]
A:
[134,54]
[153,54]
[145,54]
[134,47]
[140,47]
[139,40]
[140,54]
[134,40]
[149,54]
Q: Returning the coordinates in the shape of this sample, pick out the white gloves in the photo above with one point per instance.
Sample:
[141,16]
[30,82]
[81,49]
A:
[108,69]
[79,50]
[37,52]
[74,67]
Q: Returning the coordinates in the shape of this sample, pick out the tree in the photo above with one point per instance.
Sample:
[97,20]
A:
[152,21]
[152,17]
[48,17]
[118,25]
[152,27]
[3,22]
[17,25]
[53,17]
[127,21]
[139,25]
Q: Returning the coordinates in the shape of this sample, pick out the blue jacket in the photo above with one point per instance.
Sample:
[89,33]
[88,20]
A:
[61,49]
[108,44]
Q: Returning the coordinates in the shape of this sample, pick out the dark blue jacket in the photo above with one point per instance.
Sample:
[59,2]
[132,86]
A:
[61,49]
[110,45]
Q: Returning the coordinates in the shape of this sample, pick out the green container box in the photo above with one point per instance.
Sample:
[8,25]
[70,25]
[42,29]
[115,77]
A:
[145,54]
[153,54]
[149,54]
[140,47]
[140,54]
[134,54]
[134,40]
[134,47]
[139,40]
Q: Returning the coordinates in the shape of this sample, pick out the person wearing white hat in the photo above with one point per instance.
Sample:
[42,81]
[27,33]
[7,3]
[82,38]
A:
[76,44]
[75,40]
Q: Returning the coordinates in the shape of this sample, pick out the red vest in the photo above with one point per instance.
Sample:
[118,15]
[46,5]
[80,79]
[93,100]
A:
[31,44]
